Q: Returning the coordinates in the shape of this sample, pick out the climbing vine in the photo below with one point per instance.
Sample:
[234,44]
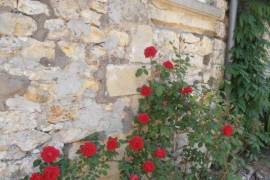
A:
[249,85]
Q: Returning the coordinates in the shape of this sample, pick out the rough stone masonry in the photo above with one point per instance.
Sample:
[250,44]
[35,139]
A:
[67,66]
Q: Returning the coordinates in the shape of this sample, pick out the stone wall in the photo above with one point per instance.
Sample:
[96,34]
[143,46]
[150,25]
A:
[67,66]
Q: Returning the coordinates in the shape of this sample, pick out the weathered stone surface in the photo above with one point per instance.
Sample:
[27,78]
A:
[14,121]
[91,17]
[173,16]
[121,38]
[164,38]
[222,4]
[8,3]
[10,46]
[57,29]
[115,118]
[33,7]
[94,54]
[83,30]
[11,153]
[57,113]
[28,140]
[142,37]
[19,103]
[127,11]
[67,9]
[75,51]
[72,134]
[38,50]
[202,48]
[17,169]
[189,38]
[98,6]
[16,24]
[96,36]
[11,85]
[37,94]
[121,80]
[218,54]
[220,30]
[78,28]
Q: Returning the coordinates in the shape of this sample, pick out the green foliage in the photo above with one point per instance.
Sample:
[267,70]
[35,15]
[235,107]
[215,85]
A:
[200,115]
[209,154]
[249,86]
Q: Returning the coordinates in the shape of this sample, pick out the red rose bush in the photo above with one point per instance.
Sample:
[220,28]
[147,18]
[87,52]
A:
[169,108]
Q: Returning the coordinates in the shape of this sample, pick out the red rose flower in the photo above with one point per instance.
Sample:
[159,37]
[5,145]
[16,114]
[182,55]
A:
[36,176]
[88,149]
[148,166]
[112,144]
[146,90]
[51,173]
[227,130]
[186,90]
[49,154]
[168,64]
[160,153]
[134,177]
[150,52]
[143,118]
[136,143]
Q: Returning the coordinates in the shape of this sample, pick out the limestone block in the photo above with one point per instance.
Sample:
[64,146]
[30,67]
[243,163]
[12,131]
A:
[57,29]
[57,114]
[19,103]
[96,35]
[78,27]
[37,94]
[142,37]
[11,153]
[174,15]
[99,7]
[222,4]
[11,85]
[66,9]
[33,7]
[120,11]
[38,50]
[122,38]
[189,38]
[202,48]
[164,38]
[196,62]
[8,3]
[121,80]
[94,54]
[16,24]
[70,82]
[91,17]
[72,134]
[28,140]
[220,30]
[218,54]
[206,46]
[10,46]
[75,51]
[14,121]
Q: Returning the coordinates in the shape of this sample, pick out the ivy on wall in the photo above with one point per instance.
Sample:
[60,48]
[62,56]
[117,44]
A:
[250,86]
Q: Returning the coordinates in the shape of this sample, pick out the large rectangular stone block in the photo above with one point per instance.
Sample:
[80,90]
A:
[121,80]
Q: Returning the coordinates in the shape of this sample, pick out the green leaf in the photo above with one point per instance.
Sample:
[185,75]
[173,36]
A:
[37,162]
